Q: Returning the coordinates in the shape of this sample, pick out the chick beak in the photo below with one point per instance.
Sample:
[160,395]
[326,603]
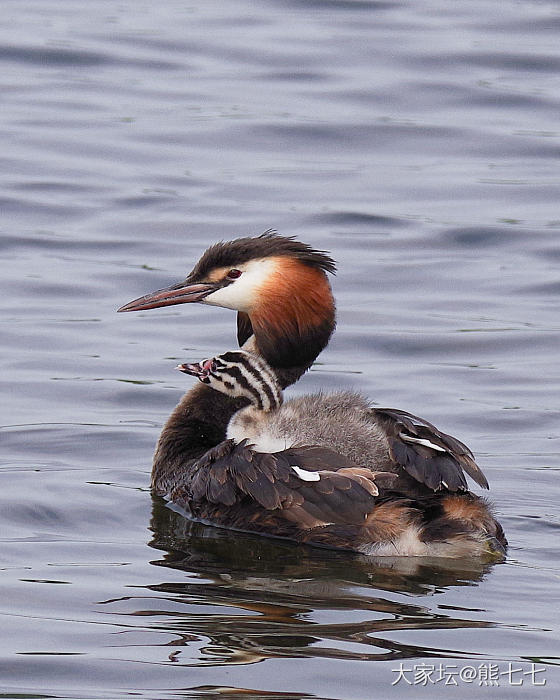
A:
[181,293]
[195,369]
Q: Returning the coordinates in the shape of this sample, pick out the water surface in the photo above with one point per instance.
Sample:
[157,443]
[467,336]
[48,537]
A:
[419,143]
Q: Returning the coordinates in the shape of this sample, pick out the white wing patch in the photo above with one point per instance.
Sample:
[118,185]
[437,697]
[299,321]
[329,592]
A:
[421,441]
[304,475]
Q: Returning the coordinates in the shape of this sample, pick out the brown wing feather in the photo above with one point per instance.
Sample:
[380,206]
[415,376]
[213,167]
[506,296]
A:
[436,469]
[314,458]
[231,473]
[228,472]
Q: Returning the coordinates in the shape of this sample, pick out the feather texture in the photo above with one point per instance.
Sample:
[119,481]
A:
[231,473]
[438,467]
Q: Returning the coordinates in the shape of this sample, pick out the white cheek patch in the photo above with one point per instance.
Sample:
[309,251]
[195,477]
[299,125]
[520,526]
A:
[242,294]
[422,441]
[304,475]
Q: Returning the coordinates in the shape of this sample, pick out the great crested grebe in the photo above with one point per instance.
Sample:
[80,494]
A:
[397,490]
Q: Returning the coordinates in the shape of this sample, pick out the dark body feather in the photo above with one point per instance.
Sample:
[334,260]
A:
[348,508]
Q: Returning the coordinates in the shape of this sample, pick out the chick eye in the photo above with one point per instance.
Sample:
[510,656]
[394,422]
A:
[233,274]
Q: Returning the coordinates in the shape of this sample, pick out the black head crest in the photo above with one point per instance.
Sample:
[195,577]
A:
[268,244]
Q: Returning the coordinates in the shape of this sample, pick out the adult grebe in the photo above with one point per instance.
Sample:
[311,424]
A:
[286,315]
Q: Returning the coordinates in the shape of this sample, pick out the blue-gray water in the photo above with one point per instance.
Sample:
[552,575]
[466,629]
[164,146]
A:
[419,143]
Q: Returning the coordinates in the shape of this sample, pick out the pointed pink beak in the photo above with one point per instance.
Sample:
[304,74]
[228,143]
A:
[194,368]
[181,293]
[197,369]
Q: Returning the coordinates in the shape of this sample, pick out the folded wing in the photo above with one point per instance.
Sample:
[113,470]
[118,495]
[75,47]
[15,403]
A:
[308,486]
[431,457]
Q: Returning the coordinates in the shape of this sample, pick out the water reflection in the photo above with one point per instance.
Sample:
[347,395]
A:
[293,601]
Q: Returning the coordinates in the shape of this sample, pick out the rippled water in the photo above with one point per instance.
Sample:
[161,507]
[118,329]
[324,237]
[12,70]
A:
[417,141]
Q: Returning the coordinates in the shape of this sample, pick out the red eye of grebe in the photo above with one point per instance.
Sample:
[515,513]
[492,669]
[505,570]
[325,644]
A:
[233,274]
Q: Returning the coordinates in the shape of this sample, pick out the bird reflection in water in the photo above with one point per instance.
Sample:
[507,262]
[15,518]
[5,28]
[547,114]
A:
[277,612]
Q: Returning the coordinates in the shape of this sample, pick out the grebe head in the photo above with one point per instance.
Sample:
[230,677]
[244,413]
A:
[239,374]
[278,286]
